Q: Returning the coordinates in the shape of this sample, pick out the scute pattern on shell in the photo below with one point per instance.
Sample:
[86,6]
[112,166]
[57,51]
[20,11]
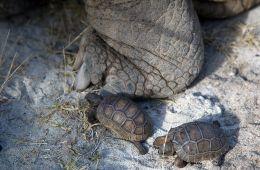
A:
[198,141]
[123,116]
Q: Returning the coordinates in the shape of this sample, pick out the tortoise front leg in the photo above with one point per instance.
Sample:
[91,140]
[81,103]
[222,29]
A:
[140,147]
[180,163]
[92,116]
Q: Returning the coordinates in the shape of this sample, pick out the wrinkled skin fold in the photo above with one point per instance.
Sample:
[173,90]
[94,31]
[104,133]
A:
[148,48]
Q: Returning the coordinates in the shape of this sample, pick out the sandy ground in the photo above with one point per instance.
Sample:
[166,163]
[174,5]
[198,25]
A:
[43,122]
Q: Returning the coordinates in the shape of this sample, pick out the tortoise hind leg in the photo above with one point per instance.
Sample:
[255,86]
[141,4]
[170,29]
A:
[140,147]
[180,163]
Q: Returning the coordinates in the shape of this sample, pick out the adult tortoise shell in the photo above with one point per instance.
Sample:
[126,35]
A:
[193,142]
[123,117]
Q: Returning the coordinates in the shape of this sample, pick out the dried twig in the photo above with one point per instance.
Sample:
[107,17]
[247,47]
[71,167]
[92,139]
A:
[9,74]
[3,47]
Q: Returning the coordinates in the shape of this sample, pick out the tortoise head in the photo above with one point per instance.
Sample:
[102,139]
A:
[164,146]
[216,124]
[93,98]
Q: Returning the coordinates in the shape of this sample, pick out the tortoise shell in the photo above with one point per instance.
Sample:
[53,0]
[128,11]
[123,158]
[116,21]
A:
[197,141]
[123,117]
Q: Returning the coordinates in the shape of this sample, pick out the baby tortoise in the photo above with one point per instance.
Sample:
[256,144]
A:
[122,116]
[194,142]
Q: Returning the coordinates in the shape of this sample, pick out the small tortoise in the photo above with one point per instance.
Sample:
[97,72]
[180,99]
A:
[122,116]
[194,142]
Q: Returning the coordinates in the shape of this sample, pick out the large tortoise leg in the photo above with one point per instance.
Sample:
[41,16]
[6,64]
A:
[91,60]
[142,150]
[180,163]
[139,54]
[99,64]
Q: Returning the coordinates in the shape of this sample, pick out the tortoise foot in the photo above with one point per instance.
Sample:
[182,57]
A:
[180,163]
[155,61]
[142,150]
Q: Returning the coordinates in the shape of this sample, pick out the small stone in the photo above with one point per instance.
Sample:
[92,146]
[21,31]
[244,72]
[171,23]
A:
[234,72]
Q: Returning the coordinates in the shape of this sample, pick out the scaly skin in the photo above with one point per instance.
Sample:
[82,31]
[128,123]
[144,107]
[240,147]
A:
[149,48]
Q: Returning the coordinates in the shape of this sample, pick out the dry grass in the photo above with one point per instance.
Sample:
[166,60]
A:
[3,49]
[12,68]
[10,72]
[78,112]
[248,35]
[69,110]
[70,22]
[71,165]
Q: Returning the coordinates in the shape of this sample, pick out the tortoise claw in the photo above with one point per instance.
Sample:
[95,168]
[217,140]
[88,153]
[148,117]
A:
[180,163]
[140,147]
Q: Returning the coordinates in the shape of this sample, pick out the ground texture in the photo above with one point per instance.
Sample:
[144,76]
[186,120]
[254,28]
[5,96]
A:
[43,122]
